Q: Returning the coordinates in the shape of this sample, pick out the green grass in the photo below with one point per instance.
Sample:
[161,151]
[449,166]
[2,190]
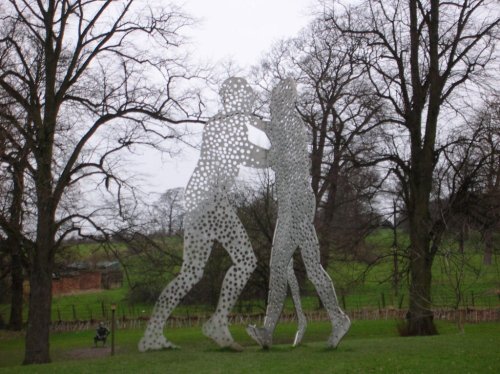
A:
[84,251]
[87,305]
[456,278]
[370,346]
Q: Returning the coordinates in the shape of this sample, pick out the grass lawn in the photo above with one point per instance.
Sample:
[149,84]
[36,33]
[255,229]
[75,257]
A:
[370,346]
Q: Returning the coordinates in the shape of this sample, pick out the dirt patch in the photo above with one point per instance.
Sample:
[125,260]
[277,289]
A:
[92,352]
[9,335]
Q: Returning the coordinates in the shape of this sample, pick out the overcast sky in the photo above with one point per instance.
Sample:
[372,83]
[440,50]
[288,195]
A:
[241,30]
[244,29]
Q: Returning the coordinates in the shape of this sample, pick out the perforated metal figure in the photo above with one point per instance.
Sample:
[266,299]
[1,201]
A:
[211,217]
[289,158]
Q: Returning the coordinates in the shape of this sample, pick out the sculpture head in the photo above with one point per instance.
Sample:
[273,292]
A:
[237,95]
[284,93]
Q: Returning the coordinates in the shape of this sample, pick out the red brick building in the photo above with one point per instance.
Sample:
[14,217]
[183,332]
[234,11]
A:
[79,281]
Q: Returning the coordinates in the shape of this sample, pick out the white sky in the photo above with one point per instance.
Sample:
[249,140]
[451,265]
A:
[241,30]
[244,29]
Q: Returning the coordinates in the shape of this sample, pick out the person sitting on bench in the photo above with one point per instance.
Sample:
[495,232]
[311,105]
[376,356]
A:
[101,334]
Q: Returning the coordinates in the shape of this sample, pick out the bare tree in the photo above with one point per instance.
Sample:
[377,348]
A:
[14,154]
[84,71]
[468,188]
[489,177]
[418,56]
[169,211]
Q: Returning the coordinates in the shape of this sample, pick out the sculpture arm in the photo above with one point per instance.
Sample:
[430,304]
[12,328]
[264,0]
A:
[259,154]
[262,125]
[257,158]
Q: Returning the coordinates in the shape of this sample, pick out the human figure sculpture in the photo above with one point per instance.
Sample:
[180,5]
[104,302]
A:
[211,217]
[288,157]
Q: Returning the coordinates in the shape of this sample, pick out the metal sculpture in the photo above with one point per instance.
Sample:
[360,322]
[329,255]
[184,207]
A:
[210,217]
[289,159]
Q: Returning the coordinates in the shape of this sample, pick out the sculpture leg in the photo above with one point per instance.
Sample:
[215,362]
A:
[196,252]
[233,237]
[281,254]
[295,291]
[323,284]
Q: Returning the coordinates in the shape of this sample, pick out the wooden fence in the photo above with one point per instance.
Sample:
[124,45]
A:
[464,315]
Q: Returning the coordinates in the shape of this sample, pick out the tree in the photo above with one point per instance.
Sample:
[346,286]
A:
[14,157]
[92,77]
[169,211]
[469,177]
[488,179]
[418,56]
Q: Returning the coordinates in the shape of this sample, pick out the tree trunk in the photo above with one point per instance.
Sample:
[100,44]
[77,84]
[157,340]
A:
[461,239]
[420,317]
[16,303]
[488,247]
[326,236]
[14,244]
[42,260]
[395,245]
[39,317]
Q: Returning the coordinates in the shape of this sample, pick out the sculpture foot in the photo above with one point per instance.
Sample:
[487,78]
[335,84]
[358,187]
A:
[298,336]
[219,333]
[235,347]
[300,330]
[339,331]
[261,335]
[155,344]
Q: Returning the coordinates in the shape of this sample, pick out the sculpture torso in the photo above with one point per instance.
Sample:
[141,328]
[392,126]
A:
[289,159]
[225,147]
